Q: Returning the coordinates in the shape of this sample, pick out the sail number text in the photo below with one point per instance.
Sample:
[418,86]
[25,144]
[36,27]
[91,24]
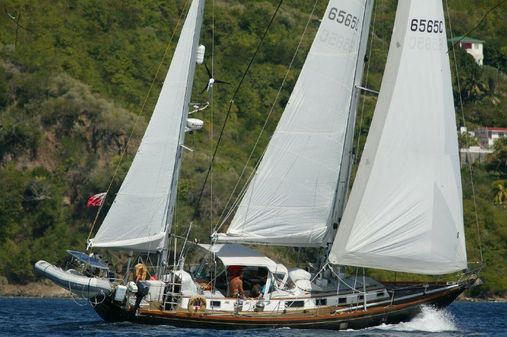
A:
[428,26]
[344,18]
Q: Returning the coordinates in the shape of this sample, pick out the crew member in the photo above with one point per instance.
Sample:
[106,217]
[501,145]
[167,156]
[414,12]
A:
[140,272]
[236,281]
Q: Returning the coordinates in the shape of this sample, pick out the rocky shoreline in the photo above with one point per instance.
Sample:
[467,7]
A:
[47,289]
[43,289]
[464,298]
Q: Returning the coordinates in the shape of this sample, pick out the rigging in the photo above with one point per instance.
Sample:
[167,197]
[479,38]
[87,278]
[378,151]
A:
[470,170]
[141,110]
[227,211]
[231,102]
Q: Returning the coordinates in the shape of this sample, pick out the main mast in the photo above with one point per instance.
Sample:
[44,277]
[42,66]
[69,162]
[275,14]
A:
[291,200]
[348,152]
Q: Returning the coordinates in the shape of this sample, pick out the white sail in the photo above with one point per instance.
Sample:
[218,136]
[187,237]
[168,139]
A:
[405,211]
[141,215]
[291,198]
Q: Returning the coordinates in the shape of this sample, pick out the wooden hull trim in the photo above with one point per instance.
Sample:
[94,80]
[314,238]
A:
[402,306]
[401,310]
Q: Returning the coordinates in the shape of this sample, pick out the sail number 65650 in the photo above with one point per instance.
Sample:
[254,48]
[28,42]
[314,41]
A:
[344,18]
[428,26]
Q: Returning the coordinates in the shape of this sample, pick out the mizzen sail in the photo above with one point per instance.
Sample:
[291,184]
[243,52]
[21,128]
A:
[405,210]
[291,199]
[141,214]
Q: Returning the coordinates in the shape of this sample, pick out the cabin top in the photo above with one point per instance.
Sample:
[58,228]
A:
[239,255]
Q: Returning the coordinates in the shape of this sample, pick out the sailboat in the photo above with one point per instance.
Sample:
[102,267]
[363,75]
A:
[404,212]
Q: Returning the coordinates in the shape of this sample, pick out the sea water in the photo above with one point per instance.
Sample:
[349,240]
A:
[62,317]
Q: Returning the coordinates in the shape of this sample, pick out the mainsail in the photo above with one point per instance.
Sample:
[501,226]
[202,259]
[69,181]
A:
[405,210]
[141,214]
[291,198]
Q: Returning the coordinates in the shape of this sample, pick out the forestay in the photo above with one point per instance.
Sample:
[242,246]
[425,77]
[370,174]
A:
[141,214]
[405,211]
[290,199]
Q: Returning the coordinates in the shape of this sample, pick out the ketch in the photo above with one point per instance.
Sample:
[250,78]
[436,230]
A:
[404,212]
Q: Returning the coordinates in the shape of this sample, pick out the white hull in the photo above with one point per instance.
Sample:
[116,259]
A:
[78,284]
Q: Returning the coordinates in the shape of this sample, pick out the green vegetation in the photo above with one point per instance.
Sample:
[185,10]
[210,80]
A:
[74,83]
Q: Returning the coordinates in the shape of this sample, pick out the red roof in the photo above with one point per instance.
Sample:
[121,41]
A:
[497,129]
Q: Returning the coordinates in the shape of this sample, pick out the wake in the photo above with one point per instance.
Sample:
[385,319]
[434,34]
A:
[429,320]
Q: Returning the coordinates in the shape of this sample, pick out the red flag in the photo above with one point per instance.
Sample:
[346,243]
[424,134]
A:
[96,200]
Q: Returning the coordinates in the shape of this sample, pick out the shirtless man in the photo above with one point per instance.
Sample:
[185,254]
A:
[236,283]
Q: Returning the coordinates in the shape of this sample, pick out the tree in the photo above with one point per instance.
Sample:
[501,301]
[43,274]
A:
[469,73]
[500,192]
[498,161]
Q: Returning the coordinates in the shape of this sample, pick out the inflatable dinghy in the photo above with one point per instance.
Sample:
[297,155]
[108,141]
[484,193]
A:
[75,282]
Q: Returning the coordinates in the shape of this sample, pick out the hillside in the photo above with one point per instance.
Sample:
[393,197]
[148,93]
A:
[75,80]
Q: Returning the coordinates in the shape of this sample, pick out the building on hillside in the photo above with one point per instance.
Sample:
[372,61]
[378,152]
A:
[488,135]
[472,46]
[473,154]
